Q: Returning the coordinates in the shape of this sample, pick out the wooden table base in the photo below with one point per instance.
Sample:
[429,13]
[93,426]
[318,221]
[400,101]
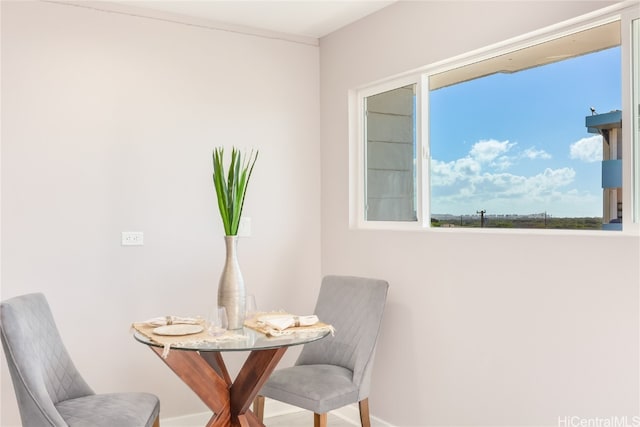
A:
[206,374]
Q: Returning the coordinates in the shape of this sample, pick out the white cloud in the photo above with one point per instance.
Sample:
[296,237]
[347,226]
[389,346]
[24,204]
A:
[481,179]
[587,149]
[502,163]
[532,153]
[551,179]
[488,150]
[447,173]
[451,174]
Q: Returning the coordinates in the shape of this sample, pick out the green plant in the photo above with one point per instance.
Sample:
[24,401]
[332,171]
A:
[231,191]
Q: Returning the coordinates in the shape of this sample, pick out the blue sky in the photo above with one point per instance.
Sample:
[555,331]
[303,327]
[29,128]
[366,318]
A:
[517,143]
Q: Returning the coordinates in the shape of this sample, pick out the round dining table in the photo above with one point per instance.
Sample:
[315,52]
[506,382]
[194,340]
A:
[200,366]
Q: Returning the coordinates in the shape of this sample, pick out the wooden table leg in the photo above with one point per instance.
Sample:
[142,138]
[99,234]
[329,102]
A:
[203,379]
[252,376]
[206,374]
[214,359]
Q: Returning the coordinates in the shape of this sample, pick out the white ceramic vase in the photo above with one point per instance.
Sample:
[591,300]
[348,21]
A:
[231,291]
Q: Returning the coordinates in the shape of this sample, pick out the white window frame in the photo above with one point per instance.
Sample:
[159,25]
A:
[625,12]
[358,153]
[635,115]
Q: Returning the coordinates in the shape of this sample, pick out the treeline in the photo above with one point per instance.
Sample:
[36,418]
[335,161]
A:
[579,223]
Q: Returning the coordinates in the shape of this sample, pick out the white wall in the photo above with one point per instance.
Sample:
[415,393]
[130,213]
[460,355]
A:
[491,329]
[108,123]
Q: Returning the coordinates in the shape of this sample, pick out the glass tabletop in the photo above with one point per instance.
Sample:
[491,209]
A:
[247,339]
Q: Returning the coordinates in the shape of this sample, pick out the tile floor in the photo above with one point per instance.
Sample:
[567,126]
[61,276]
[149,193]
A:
[300,418]
[305,419]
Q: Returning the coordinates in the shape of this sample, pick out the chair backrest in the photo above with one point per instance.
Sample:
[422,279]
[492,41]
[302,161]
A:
[41,369]
[354,307]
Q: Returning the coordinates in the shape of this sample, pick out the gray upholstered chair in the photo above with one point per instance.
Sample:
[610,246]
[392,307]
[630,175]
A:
[335,371]
[49,389]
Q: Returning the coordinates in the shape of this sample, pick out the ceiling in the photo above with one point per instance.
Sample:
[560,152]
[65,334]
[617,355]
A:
[307,18]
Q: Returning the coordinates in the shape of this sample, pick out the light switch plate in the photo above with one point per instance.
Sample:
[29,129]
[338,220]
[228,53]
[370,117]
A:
[132,238]
[244,228]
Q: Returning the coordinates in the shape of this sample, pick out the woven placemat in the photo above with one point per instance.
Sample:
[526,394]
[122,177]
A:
[256,325]
[167,341]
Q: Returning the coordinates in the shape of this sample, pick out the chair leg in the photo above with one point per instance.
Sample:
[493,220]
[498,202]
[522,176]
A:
[364,412]
[320,420]
[258,407]
[156,423]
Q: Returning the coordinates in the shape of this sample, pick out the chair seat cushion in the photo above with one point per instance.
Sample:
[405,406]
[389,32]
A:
[109,410]
[317,388]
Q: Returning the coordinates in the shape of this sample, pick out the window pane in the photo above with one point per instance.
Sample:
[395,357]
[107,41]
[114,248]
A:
[390,155]
[535,146]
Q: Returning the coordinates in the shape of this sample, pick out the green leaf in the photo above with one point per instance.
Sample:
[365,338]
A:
[231,191]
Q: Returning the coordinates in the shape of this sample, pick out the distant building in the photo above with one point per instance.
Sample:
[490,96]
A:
[609,125]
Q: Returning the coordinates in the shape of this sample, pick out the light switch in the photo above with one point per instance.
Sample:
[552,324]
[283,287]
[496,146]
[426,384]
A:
[244,228]
[132,238]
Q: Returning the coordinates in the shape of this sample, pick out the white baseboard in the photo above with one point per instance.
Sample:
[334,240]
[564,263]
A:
[192,420]
[351,414]
[272,408]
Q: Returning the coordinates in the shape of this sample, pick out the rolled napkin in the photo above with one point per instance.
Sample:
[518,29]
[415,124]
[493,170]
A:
[287,321]
[171,320]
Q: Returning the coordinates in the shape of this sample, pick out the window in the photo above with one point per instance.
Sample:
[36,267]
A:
[529,137]
[511,149]
[390,160]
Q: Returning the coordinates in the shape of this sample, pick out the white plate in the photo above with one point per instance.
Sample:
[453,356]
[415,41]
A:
[178,330]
